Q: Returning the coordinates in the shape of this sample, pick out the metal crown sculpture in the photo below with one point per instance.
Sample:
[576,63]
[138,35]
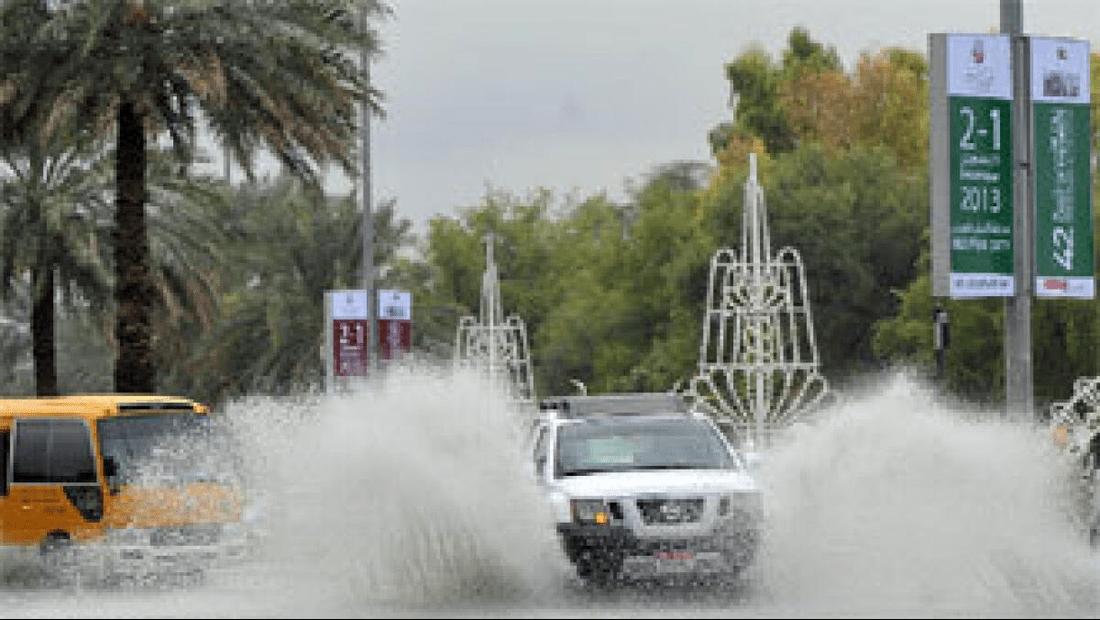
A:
[494,344]
[758,363]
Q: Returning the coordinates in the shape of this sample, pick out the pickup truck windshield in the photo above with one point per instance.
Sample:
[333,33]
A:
[632,444]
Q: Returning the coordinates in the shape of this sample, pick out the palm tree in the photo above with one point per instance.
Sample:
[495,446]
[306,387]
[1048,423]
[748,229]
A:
[53,199]
[55,233]
[52,227]
[279,74]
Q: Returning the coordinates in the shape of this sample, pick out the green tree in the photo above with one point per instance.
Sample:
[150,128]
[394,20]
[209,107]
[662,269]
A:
[755,87]
[585,309]
[883,102]
[191,256]
[528,251]
[287,245]
[281,74]
[758,86]
[856,219]
[974,367]
[630,288]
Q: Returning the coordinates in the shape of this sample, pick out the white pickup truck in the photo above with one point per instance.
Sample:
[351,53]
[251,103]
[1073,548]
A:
[642,488]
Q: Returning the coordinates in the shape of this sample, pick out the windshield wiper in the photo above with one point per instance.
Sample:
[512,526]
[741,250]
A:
[587,470]
[671,466]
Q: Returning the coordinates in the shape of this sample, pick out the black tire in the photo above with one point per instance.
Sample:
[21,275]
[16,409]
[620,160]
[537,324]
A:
[59,559]
[55,545]
[740,549]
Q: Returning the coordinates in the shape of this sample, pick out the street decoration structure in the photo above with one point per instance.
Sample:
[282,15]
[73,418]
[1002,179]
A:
[758,363]
[496,345]
[1075,428]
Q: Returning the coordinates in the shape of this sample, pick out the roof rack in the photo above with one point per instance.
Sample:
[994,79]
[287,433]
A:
[633,403]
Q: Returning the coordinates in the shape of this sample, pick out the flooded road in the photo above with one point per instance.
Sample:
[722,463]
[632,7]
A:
[413,498]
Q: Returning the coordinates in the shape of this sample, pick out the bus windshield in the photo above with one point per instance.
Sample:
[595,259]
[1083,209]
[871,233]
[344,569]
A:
[155,447]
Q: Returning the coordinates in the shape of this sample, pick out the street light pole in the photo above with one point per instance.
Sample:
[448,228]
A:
[1019,397]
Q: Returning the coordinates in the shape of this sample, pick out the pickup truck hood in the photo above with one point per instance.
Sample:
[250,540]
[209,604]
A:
[650,482]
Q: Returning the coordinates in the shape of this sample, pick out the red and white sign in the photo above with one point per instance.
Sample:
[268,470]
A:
[394,338]
[349,347]
[350,326]
[394,324]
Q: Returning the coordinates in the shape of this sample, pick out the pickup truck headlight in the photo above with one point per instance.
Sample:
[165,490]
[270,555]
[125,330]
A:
[589,511]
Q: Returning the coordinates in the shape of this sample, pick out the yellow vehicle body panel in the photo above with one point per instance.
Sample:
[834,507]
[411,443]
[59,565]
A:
[32,512]
[195,503]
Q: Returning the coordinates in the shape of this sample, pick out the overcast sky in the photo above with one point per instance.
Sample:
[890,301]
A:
[585,96]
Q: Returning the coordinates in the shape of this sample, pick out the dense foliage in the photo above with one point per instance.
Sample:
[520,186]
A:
[612,293]
[282,75]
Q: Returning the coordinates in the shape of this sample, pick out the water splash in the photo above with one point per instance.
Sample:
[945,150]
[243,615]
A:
[896,503]
[413,496]
[413,492]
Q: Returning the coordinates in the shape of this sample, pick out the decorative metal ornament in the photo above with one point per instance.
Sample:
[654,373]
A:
[495,345]
[758,363]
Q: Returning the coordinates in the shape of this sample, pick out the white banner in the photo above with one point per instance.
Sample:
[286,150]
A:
[395,305]
[1059,70]
[979,65]
[349,304]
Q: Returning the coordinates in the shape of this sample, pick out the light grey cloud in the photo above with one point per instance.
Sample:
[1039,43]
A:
[587,95]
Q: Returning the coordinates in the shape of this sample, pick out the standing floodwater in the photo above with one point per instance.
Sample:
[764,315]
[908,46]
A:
[415,497]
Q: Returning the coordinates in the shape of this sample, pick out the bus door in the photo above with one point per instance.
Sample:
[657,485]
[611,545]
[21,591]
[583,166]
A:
[5,475]
[54,488]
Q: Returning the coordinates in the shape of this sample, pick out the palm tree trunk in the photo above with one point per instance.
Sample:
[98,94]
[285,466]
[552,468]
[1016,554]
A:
[42,331]
[134,372]
[43,348]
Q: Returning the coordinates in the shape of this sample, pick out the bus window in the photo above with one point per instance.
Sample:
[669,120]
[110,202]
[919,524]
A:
[31,446]
[52,451]
[71,458]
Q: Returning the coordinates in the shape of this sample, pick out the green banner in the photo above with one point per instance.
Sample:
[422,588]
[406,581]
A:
[980,173]
[1060,71]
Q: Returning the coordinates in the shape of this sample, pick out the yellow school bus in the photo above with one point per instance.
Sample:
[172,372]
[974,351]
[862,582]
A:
[131,471]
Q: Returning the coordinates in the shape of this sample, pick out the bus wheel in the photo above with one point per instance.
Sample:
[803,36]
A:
[58,555]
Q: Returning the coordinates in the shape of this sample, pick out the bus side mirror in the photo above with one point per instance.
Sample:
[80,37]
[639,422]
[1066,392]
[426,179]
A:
[110,467]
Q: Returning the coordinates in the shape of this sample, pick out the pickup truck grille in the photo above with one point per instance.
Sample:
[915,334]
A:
[670,511]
